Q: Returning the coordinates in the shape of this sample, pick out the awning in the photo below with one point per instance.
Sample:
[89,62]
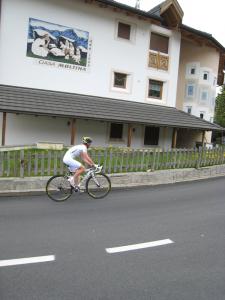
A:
[52,103]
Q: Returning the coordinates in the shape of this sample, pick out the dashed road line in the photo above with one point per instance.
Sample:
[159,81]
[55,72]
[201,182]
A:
[28,260]
[139,246]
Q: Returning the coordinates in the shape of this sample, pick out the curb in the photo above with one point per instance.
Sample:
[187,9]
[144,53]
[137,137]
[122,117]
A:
[36,185]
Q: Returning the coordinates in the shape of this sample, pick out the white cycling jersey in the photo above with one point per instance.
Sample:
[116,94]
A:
[71,154]
[76,151]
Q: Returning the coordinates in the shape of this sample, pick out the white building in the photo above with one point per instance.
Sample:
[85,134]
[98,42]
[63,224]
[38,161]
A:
[200,71]
[97,68]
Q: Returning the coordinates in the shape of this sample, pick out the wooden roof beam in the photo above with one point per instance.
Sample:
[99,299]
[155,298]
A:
[171,11]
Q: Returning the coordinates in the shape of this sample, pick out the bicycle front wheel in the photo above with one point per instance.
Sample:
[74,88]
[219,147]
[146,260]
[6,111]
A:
[98,186]
[58,188]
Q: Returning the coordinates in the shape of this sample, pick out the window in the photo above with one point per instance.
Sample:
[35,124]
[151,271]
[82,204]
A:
[204,95]
[151,136]
[158,52]
[155,89]
[192,71]
[120,80]
[205,75]
[189,109]
[190,90]
[202,115]
[159,43]
[124,31]
[116,131]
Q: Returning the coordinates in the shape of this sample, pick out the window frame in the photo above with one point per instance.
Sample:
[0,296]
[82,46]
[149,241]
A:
[194,69]
[188,70]
[124,87]
[187,90]
[116,139]
[204,92]
[203,115]
[161,89]
[159,53]
[155,139]
[130,30]
[189,108]
[205,73]
[133,27]
[163,36]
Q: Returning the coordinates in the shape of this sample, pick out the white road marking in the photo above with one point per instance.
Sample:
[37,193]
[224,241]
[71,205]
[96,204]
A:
[139,246]
[28,260]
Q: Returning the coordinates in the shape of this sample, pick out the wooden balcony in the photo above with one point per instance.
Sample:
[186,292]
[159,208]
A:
[158,60]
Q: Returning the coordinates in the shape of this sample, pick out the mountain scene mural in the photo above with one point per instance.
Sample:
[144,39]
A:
[57,43]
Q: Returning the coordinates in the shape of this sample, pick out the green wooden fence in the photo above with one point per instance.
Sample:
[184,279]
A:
[36,162]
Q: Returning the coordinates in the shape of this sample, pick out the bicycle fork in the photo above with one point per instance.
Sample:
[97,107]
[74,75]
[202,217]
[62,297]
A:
[95,180]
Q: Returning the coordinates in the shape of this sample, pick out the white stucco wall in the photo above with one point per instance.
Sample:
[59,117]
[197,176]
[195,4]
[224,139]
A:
[108,53]
[27,129]
[100,132]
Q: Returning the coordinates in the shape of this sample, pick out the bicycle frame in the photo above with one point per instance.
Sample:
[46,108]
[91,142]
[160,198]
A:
[88,172]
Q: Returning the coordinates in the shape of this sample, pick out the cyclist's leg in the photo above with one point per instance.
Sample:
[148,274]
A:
[77,174]
[73,166]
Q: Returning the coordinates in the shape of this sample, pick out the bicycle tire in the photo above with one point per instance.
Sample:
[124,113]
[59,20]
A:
[58,185]
[98,192]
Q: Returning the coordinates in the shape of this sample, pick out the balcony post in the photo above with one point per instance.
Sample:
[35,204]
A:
[174,141]
[73,131]
[3,127]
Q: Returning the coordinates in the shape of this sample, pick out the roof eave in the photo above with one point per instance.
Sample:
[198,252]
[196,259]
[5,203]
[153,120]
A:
[204,35]
[25,100]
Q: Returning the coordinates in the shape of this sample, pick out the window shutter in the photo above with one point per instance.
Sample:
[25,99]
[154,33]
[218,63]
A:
[124,31]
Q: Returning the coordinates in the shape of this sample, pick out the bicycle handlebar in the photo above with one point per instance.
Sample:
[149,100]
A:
[96,168]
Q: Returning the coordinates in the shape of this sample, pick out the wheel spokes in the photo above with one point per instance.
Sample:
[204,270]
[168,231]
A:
[59,188]
[98,186]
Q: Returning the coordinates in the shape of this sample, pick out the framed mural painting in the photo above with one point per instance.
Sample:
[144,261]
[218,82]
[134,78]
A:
[58,45]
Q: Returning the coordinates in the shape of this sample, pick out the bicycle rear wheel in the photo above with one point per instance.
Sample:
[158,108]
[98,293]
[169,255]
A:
[98,186]
[58,188]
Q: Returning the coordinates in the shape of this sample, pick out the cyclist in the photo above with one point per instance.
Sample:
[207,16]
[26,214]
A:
[75,166]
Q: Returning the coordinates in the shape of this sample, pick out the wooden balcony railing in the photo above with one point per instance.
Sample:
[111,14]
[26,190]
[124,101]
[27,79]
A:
[158,61]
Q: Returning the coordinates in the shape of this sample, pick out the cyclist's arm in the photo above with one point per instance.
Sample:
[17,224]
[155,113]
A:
[86,158]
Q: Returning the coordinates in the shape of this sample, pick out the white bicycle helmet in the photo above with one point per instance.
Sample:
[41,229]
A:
[87,140]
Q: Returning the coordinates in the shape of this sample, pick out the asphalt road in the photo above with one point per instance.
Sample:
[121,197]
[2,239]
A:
[77,233]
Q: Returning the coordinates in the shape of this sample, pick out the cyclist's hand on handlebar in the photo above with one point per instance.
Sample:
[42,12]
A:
[94,166]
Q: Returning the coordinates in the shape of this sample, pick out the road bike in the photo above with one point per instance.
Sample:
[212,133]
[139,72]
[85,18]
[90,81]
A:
[95,182]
